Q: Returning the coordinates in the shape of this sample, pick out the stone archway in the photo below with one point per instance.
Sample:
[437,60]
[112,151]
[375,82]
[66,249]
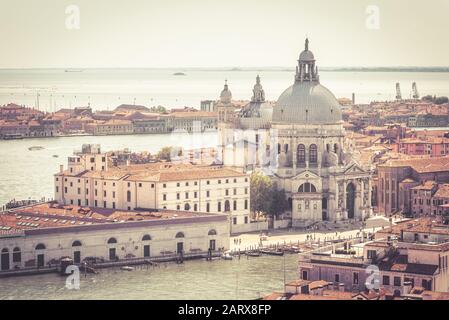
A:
[350,200]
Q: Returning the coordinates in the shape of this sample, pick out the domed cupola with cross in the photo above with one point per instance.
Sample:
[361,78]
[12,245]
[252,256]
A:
[307,101]
[306,69]
[226,95]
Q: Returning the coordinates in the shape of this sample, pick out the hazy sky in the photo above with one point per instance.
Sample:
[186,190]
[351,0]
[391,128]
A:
[208,33]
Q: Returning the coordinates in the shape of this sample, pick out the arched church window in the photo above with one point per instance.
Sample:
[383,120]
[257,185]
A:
[307,188]
[336,148]
[286,148]
[301,153]
[313,153]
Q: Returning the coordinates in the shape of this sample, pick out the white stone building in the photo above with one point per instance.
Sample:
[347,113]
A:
[299,143]
[90,180]
[35,236]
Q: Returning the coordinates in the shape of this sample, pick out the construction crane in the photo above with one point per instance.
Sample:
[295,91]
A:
[415,91]
[398,91]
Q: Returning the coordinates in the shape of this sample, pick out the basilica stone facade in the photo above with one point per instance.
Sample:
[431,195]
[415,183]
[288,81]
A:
[300,143]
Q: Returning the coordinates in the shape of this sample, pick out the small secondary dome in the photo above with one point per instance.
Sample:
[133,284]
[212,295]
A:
[226,95]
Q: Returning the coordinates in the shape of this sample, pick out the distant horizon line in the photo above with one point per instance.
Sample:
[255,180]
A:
[238,68]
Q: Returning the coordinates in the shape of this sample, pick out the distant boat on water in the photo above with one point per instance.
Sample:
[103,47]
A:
[34,148]
[73,70]
[179,74]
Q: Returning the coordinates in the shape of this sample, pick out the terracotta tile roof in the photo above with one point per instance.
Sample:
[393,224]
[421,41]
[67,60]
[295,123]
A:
[428,185]
[443,191]
[51,215]
[421,165]
[159,172]
[400,264]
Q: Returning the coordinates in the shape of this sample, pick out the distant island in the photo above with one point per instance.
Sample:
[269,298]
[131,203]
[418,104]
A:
[388,69]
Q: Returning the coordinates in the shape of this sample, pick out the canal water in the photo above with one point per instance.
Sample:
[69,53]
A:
[29,174]
[222,280]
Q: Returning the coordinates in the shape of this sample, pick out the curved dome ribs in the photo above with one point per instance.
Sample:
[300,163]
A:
[307,101]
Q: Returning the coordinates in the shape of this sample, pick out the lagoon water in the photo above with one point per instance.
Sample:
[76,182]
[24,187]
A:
[108,88]
[29,174]
[222,280]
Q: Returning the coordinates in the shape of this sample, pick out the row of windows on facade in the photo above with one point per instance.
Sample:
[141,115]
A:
[301,152]
[397,281]
[17,253]
[164,196]
[187,206]
[227,206]
[178,184]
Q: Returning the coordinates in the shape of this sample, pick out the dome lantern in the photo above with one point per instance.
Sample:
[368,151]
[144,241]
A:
[306,69]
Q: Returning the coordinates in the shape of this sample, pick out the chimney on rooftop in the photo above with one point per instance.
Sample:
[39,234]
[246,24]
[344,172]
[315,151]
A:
[61,168]
[407,288]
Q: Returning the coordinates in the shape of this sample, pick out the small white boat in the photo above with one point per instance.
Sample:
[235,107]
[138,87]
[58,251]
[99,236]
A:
[226,256]
[127,268]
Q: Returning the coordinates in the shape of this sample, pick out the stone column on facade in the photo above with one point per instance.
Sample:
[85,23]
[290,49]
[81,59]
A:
[294,154]
[345,205]
[358,199]
[362,199]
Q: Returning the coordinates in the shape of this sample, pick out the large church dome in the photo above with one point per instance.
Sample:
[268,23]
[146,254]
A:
[307,101]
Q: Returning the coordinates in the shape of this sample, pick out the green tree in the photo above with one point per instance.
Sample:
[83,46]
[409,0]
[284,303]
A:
[441,100]
[278,202]
[164,154]
[260,186]
[158,109]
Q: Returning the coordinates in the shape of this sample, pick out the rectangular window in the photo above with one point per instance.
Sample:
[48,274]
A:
[397,281]
[371,254]
[386,280]
[355,278]
[164,197]
[178,196]
[79,190]
[337,278]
